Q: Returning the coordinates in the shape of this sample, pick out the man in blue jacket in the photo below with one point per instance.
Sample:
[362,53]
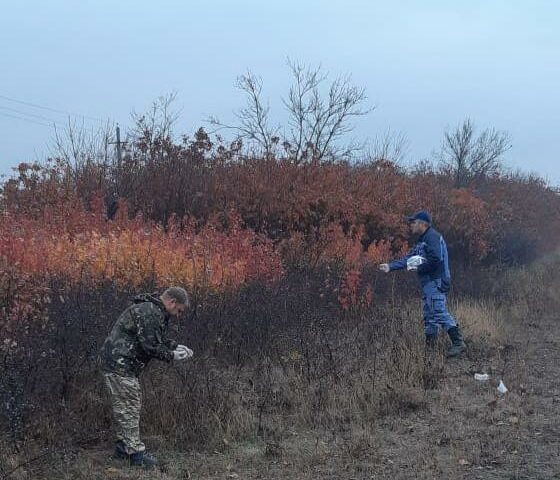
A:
[430,260]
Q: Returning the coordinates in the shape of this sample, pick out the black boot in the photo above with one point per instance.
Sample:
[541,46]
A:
[457,344]
[120,450]
[142,459]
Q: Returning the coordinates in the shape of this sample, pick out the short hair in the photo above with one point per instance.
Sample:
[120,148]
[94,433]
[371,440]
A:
[178,294]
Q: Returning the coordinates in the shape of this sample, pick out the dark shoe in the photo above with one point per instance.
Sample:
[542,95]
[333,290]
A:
[142,459]
[457,344]
[120,450]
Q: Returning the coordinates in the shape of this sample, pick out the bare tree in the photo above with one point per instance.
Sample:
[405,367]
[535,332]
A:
[391,146]
[156,124]
[254,121]
[301,105]
[319,120]
[319,115]
[80,148]
[469,156]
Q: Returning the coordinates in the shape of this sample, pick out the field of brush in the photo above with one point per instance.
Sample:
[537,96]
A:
[308,362]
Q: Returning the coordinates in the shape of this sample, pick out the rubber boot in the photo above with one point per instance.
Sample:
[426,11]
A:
[120,450]
[457,344]
[142,459]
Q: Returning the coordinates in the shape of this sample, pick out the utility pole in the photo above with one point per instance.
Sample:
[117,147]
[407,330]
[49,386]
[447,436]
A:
[119,150]
[119,145]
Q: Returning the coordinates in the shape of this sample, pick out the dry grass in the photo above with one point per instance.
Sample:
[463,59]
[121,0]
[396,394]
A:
[481,321]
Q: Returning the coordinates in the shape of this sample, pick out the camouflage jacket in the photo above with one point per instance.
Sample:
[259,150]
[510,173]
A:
[138,335]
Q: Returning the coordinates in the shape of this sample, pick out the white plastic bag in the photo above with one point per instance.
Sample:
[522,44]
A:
[502,388]
[414,262]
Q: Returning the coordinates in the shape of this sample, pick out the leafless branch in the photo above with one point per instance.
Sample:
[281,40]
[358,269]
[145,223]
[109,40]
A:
[253,119]
[319,115]
[317,121]
[470,157]
[391,146]
[79,147]
[156,124]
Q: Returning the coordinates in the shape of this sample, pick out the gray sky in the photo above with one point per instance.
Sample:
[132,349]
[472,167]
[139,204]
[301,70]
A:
[426,65]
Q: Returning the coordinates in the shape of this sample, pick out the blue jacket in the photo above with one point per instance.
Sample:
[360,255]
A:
[433,248]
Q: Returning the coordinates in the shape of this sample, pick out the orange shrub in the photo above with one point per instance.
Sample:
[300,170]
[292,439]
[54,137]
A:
[84,246]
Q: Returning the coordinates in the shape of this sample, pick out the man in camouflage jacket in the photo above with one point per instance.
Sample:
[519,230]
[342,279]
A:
[138,335]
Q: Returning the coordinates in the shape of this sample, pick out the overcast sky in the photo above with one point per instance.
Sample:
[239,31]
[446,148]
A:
[425,65]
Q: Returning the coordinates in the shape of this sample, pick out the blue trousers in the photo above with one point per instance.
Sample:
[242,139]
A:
[435,309]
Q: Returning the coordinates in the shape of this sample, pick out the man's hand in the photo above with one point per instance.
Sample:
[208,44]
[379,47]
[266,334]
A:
[384,267]
[186,349]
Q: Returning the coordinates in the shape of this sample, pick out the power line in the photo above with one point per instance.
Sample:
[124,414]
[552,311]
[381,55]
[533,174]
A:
[27,120]
[30,104]
[41,117]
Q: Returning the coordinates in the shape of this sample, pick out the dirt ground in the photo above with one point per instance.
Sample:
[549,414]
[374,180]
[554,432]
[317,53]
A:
[462,429]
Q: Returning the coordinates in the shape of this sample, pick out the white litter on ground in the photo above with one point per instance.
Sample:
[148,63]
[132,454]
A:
[502,388]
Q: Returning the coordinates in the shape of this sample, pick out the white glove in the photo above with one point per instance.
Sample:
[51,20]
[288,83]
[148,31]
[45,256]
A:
[384,267]
[179,354]
[185,349]
[414,262]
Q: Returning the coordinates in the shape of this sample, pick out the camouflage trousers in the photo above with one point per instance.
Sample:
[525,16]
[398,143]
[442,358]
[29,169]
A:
[126,401]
